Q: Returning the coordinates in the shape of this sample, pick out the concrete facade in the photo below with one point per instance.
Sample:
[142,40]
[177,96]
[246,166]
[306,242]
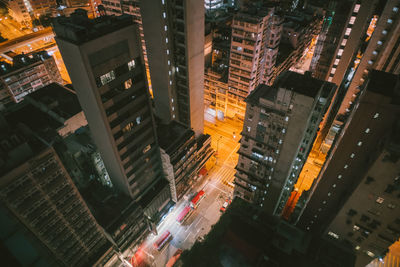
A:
[280,125]
[107,70]
[347,197]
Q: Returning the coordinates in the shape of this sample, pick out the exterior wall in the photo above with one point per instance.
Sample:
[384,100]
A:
[351,155]
[280,125]
[123,130]
[42,197]
[369,219]
[25,80]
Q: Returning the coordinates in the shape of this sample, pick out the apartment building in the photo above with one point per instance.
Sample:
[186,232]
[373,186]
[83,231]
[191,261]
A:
[104,60]
[42,209]
[175,53]
[279,129]
[354,198]
[26,75]
[254,44]
[352,57]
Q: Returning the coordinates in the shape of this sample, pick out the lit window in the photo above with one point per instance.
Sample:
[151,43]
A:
[346,166]
[329,79]
[170,82]
[340,52]
[166,40]
[334,185]
[286,118]
[333,70]
[315,216]
[173,116]
[169,73]
[352,155]
[138,120]
[384,32]
[283,130]
[380,200]
[329,194]
[172,100]
[339,176]
[395,9]
[177,69]
[348,31]
[379,42]
[248,128]
[336,62]
[128,84]
[357,247]
[163,2]
[164,15]
[367,130]
[173,108]
[165,28]
[169,62]
[324,202]
[352,19]
[390,21]
[344,42]
[356,8]
[359,143]
[333,235]
[131,64]
[167,51]
[374,52]
[370,62]
[356,227]
[369,253]
[376,115]
[128,127]
[108,77]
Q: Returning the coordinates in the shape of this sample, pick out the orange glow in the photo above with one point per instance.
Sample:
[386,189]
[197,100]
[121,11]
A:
[371,27]
[310,171]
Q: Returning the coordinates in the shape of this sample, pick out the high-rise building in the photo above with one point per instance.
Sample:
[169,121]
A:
[104,60]
[175,52]
[254,47]
[355,194]
[348,61]
[279,129]
[27,74]
[42,210]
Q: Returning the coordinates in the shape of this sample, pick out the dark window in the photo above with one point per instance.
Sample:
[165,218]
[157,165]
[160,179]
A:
[364,218]
[369,180]
[351,212]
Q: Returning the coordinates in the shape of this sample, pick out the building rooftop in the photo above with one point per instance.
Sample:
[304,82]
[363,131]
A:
[262,91]
[22,61]
[171,136]
[384,83]
[78,28]
[245,236]
[59,99]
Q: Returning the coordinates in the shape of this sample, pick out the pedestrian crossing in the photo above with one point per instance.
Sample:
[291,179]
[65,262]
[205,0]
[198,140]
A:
[225,176]
[390,260]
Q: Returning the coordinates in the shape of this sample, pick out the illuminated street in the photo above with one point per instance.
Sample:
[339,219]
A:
[218,186]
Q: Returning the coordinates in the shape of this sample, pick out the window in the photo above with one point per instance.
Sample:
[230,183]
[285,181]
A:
[359,143]
[367,130]
[356,227]
[369,180]
[334,185]
[380,200]
[131,64]
[108,77]
[138,120]
[336,61]
[352,19]
[166,40]
[376,115]
[167,51]
[128,84]
[333,235]
[128,127]
[348,31]
[379,42]
[165,28]
[164,15]
[395,9]
[169,62]
[339,176]
[346,166]
[352,155]
[340,52]
[356,8]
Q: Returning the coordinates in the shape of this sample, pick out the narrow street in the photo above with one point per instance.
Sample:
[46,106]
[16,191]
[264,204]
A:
[218,186]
